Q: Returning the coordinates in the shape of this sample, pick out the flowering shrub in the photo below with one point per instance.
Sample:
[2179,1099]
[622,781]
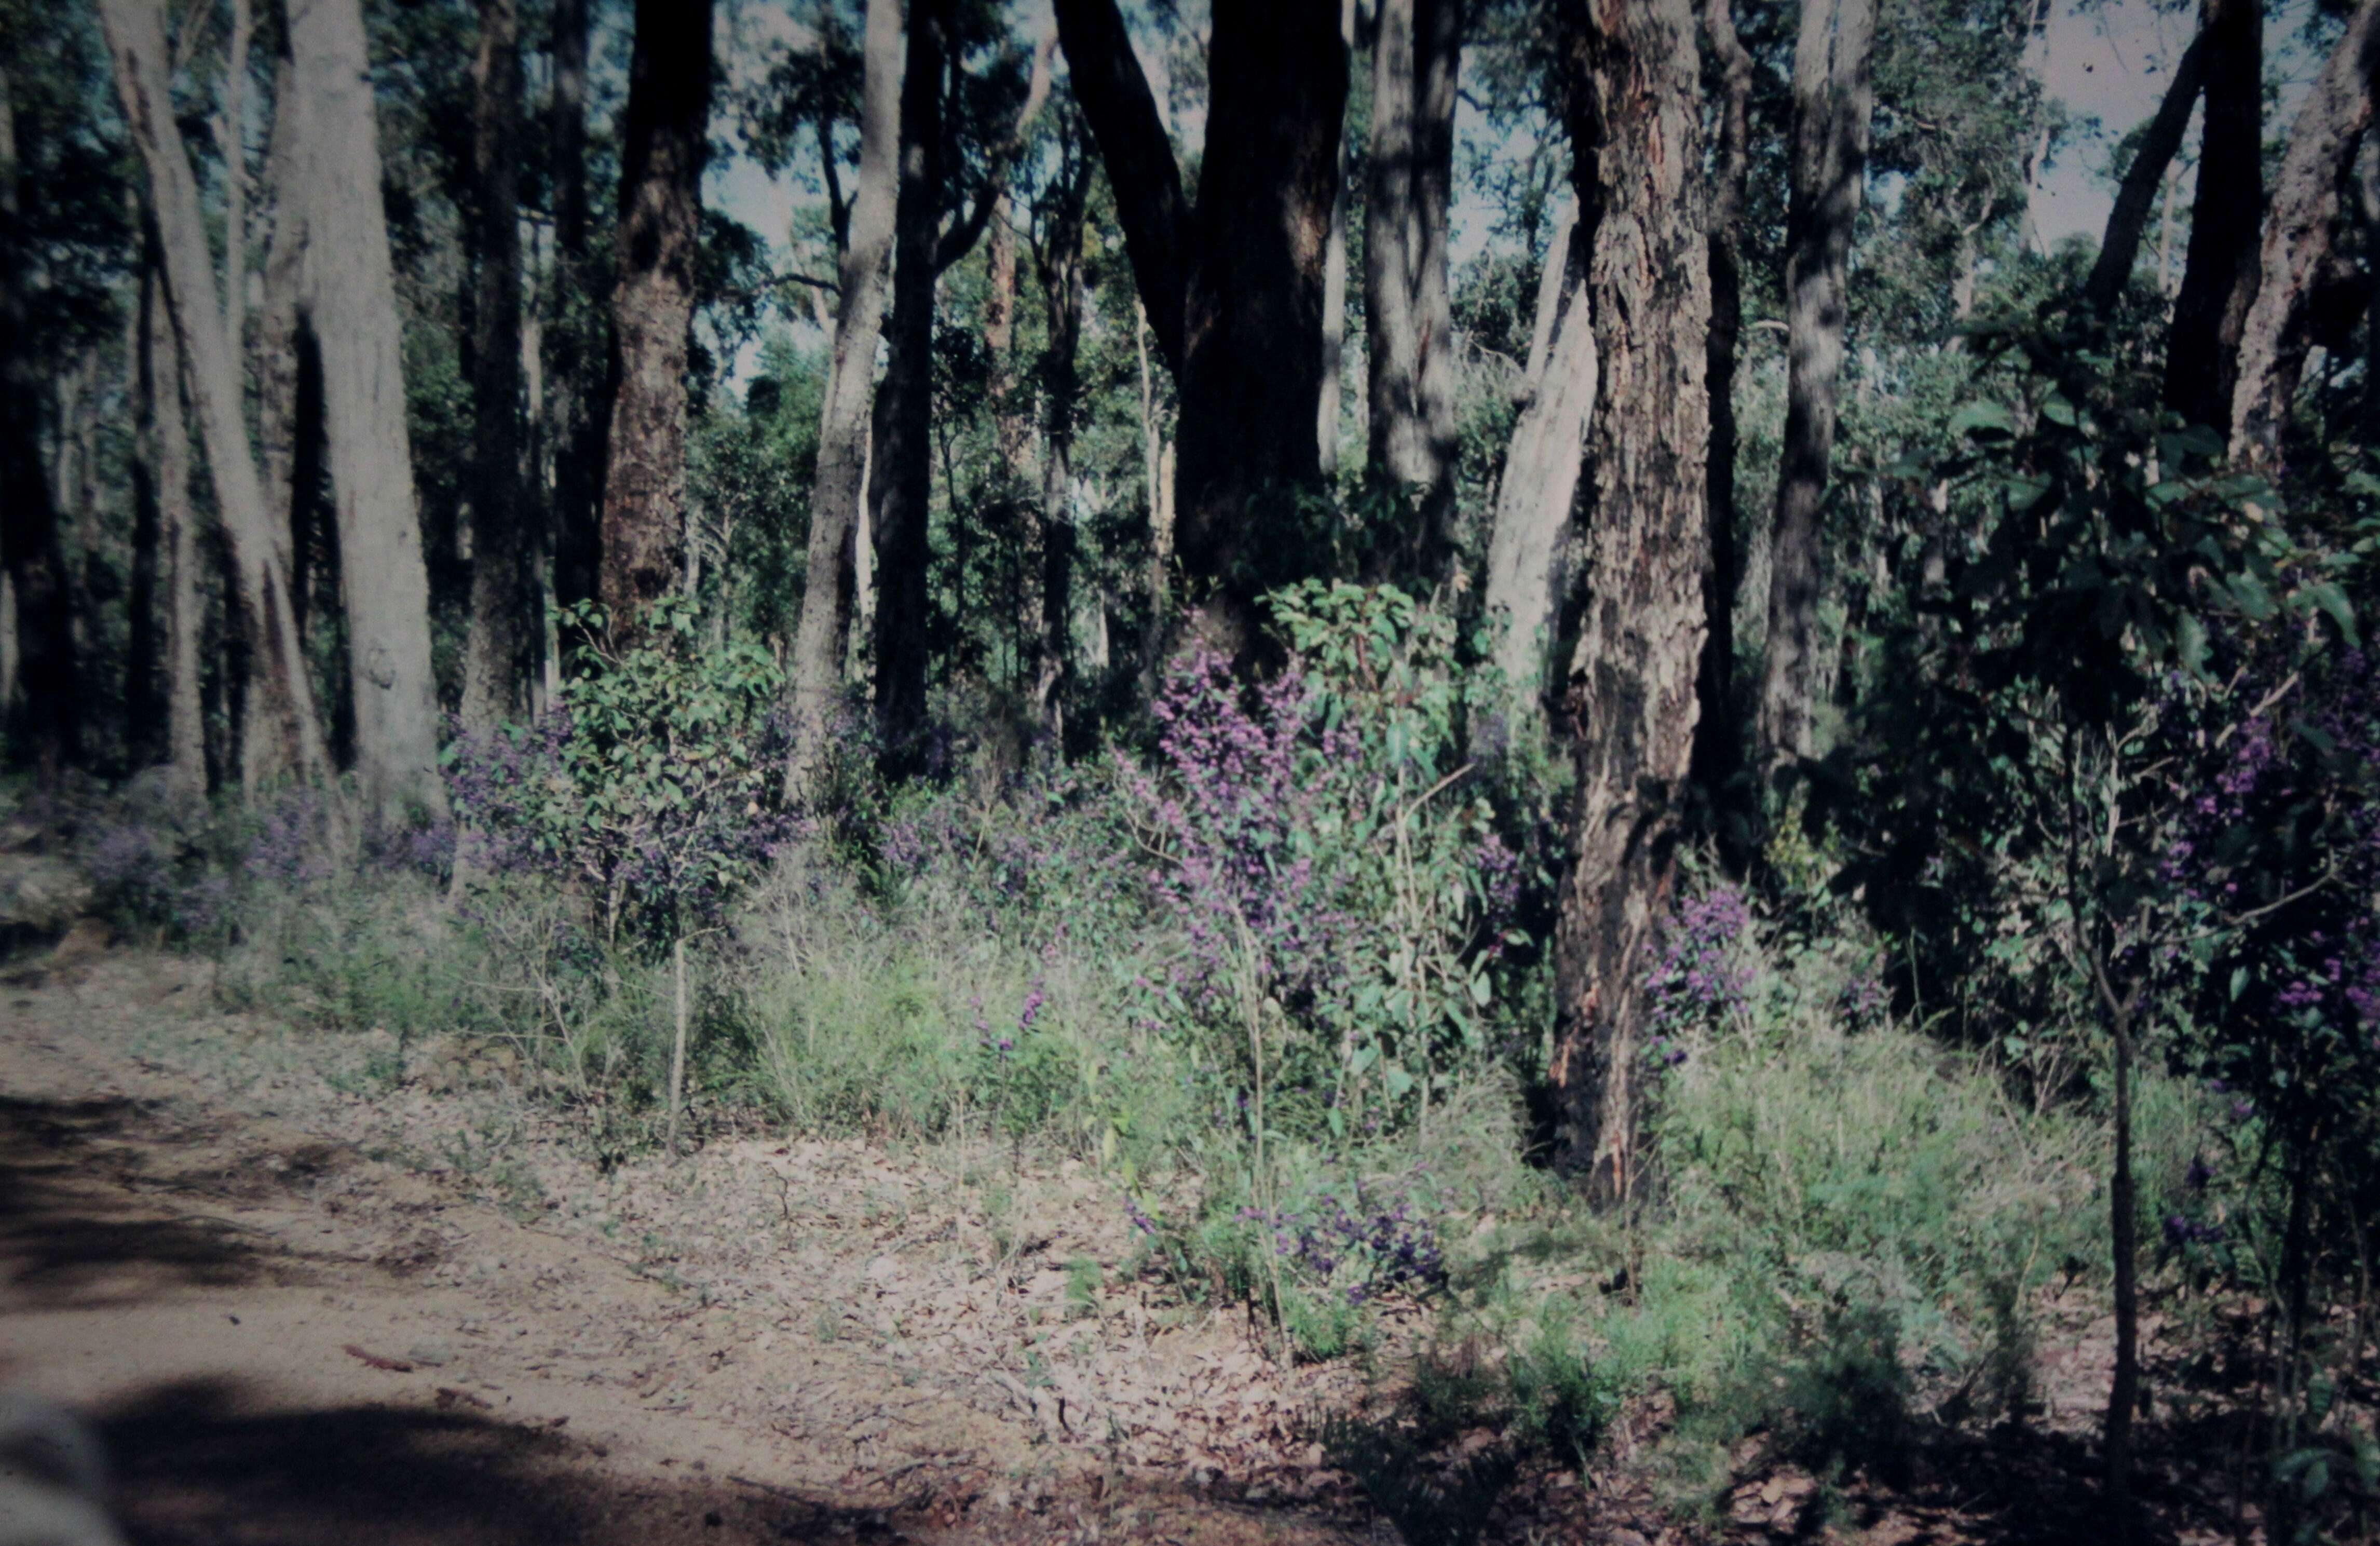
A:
[1379,1245]
[1326,861]
[1696,981]
[653,784]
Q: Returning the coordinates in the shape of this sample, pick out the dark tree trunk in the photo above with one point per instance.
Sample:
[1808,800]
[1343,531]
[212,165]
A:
[1834,98]
[2300,239]
[1060,262]
[664,136]
[1629,706]
[2218,274]
[497,652]
[1408,311]
[2137,194]
[901,480]
[577,330]
[1252,328]
[48,721]
[1718,746]
[1241,321]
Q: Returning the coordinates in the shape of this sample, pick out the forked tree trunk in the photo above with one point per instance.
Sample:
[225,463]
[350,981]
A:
[47,712]
[1834,98]
[665,135]
[1408,311]
[351,299]
[1719,739]
[1630,703]
[1233,295]
[2300,235]
[2218,271]
[136,38]
[840,482]
[901,488]
[1251,322]
[497,652]
[2137,194]
[1525,573]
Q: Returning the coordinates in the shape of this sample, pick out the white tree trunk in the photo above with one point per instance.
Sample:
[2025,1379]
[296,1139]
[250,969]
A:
[837,495]
[136,38]
[1541,468]
[351,292]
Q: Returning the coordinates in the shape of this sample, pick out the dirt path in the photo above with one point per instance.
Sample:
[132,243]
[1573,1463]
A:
[309,1302]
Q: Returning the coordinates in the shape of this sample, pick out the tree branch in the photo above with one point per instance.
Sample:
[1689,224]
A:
[2130,216]
[1150,205]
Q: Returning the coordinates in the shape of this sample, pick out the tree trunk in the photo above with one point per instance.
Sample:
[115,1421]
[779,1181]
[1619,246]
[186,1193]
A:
[185,745]
[137,45]
[2218,271]
[1525,574]
[496,656]
[1834,99]
[231,142]
[901,490]
[840,479]
[1241,321]
[1630,705]
[144,726]
[351,300]
[665,134]
[1408,312]
[1011,422]
[1252,326]
[576,331]
[47,718]
[1334,292]
[1718,747]
[1061,265]
[2137,193]
[2299,236]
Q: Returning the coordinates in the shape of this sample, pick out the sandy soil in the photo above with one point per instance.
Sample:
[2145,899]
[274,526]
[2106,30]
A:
[307,1303]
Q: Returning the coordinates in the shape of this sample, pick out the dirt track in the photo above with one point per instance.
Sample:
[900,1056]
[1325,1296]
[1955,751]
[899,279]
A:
[308,1304]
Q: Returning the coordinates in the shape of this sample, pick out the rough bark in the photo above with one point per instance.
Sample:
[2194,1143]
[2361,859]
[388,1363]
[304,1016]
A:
[1525,573]
[576,331]
[2300,235]
[1636,126]
[45,713]
[841,479]
[351,301]
[1834,99]
[1719,747]
[497,652]
[2219,270]
[900,489]
[1408,311]
[137,47]
[1243,325]
[2137,193]
[1334,291]
[664,136]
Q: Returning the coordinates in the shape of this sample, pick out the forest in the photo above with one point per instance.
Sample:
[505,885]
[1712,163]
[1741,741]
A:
[1615,740]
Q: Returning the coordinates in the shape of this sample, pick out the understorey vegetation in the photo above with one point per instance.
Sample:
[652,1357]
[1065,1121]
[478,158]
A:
[1724,832]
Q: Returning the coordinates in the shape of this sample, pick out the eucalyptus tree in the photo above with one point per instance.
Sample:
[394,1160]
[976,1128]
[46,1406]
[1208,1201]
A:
[2220,273]
[498,646]
[1635,112]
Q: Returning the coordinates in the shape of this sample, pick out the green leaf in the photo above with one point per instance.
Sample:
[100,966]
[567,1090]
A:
[1983,420]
